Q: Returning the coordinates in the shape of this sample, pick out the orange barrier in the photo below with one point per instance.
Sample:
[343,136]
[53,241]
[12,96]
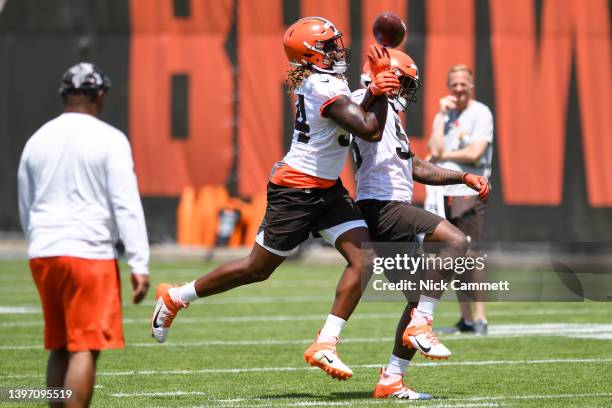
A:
[185,234]
[198,216]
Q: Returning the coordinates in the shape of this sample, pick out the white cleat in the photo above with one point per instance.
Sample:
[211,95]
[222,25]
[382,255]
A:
[422,338]
[397,389]
[164,313]
[324,356]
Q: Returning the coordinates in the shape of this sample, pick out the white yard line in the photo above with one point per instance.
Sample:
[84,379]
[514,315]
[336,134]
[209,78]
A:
[372,402]
[20,310]
[438,403]
[304,367]
[34,309]
[156,394]
[572,330]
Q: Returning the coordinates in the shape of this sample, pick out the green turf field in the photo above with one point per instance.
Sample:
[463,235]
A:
[244,348]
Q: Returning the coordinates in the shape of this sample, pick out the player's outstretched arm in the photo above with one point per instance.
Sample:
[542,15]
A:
[368,125]
[428,173]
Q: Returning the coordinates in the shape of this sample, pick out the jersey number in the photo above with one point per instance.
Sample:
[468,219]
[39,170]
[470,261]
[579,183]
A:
[301,125]
[357,155]
[344,140]
[403,140]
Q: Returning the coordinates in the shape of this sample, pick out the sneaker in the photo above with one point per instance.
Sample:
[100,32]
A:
[324,356]
[422,338]
[164,313]
[397,389]
[460,327]
[481,328]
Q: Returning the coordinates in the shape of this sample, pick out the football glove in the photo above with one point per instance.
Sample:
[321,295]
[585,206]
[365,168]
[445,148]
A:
[477,183]
[378,59]
[385,82]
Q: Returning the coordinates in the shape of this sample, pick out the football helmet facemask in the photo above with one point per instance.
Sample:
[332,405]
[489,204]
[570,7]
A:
[315,42]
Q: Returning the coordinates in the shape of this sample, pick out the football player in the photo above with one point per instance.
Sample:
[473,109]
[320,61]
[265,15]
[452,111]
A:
[305,194]
[385,175]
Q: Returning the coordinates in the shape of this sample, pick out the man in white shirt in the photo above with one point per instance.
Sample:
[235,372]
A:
[462,140]
[77,195]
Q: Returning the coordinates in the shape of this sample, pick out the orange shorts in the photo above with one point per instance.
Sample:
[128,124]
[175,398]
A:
[81,301]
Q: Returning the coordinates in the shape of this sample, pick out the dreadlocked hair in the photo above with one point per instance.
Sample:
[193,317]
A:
[296,76]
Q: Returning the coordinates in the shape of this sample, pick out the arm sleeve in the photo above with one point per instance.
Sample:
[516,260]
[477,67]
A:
[127,208]
[25,192]
[483,128]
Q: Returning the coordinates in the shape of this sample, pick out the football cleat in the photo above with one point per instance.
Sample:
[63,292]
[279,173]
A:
[324,356]
[460,327]
[481,328]
[397,389]
[164,313]
[422,338]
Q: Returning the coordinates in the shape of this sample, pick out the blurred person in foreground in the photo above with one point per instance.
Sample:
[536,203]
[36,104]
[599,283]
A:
[462,140]
[385,174]
[77,195]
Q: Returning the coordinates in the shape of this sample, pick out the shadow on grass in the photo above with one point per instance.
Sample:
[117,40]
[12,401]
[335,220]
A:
[351,395]
[332,396]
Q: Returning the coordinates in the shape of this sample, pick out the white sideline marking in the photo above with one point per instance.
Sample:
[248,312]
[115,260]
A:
[20,310]
[594,336]
[157,394]
[32,309]
[445,401]
[572,330]
[442,403]
[368,402]
[304,368]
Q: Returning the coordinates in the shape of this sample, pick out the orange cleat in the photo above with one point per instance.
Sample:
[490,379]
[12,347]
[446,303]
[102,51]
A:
[164,313]
[396,389]
[324,356]
[422,338]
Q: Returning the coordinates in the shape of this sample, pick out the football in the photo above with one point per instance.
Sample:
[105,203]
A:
[389,30]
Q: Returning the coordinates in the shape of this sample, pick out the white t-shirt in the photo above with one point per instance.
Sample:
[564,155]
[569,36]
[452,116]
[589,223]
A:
[384,168]
[78,192]
[319,146]
[474,123]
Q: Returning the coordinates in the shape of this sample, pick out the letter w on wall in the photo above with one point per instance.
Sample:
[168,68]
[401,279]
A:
[531,86]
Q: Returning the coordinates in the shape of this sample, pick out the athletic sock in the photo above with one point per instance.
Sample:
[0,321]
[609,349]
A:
[425,309]
[331,330]
[396,365]
[184,294]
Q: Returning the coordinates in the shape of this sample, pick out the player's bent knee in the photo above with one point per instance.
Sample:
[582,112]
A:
[360,260]
[258,272]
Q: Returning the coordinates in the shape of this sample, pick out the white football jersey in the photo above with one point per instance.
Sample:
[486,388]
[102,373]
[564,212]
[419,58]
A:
[78,192]
[384,169]
[319,146]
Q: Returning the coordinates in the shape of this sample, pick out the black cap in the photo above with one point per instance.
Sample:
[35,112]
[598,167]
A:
[84,76]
